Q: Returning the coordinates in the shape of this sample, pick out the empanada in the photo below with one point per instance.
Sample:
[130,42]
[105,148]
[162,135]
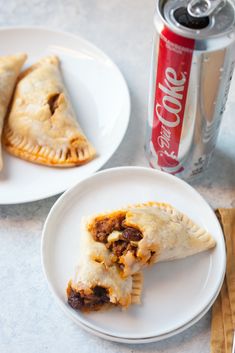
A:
[42,126]
[9,70]
[148,233]
[98,282]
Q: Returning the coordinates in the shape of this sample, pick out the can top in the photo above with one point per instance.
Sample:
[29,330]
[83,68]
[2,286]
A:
[199,18]
[203,8]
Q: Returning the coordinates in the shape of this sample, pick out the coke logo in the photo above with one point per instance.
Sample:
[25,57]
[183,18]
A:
[168,113]
[172,80]
[171,99]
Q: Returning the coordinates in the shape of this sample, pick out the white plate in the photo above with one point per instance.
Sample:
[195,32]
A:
[175,293]
[99,95]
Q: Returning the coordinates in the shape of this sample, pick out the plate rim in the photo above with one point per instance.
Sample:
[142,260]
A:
[124,126]
[80,322]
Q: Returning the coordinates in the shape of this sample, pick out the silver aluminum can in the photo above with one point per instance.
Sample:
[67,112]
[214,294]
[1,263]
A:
[192,65]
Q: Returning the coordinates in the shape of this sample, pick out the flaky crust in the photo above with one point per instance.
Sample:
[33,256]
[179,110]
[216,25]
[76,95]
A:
[95,268]
[167,233]
[9,70]
[42,127]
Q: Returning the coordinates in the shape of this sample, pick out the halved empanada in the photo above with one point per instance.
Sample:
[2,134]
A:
[9,70]
[98,281]
[42,126]
[148,233]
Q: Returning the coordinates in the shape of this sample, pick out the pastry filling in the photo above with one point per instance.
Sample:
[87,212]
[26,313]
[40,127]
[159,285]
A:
[53,102]
[116,235]
[84,302]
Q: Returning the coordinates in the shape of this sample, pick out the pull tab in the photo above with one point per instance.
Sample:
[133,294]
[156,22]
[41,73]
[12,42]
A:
[202,8]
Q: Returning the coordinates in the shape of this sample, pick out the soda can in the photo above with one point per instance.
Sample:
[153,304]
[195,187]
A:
[192,66]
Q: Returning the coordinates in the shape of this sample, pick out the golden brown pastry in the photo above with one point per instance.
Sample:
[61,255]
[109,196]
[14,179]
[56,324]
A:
[9,70]
[98,282]
[42,127]
[146,234]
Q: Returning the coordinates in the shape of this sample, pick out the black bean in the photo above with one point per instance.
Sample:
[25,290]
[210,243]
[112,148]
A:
[132,234]
[75,301]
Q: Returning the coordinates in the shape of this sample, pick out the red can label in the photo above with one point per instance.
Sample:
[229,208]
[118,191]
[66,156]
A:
[172,79]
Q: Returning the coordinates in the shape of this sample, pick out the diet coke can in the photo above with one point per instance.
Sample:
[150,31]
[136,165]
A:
[192,66]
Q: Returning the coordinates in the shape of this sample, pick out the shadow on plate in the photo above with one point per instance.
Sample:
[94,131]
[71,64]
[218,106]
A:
[4,173]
